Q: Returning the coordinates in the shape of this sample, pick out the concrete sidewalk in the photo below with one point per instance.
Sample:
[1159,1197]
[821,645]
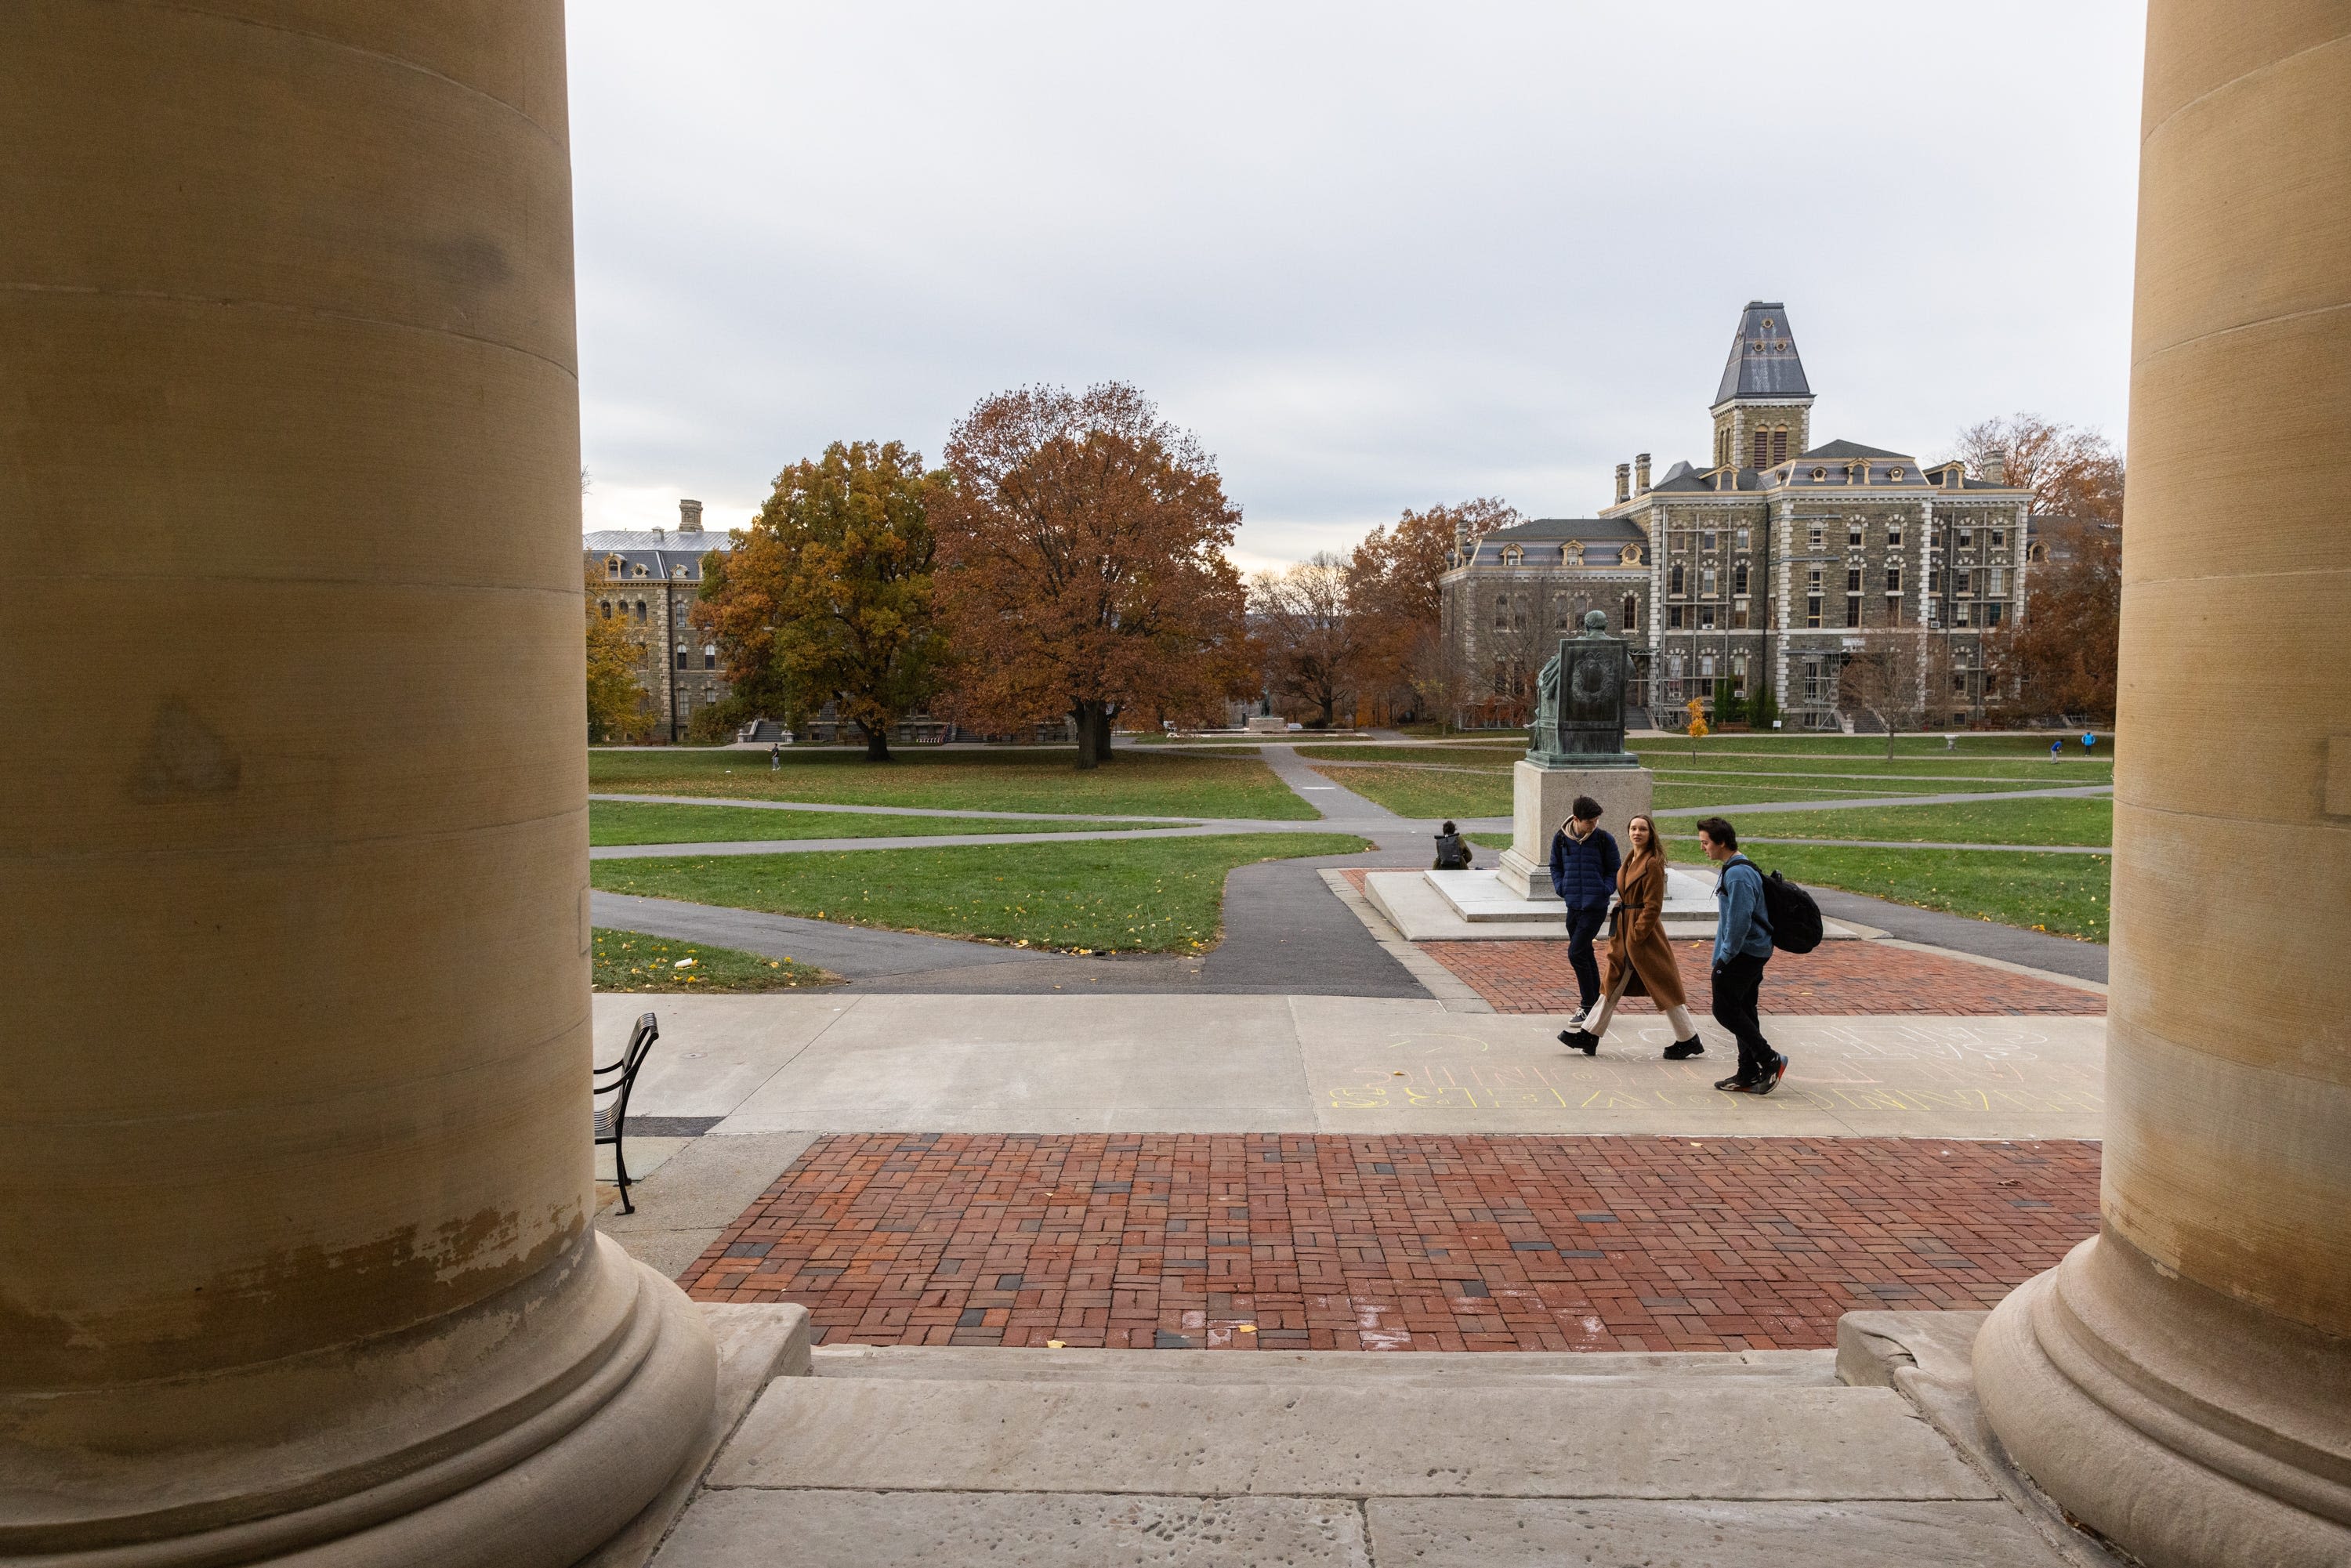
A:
[835,1063]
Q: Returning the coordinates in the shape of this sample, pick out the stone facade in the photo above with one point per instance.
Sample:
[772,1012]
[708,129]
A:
[1772,568]
[650,579]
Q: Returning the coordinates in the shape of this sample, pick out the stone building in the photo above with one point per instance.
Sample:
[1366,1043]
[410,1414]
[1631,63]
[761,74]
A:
[1777,563]
[1512,593]
[650,579]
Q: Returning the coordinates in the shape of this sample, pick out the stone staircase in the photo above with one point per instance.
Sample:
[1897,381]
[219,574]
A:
[897,1455]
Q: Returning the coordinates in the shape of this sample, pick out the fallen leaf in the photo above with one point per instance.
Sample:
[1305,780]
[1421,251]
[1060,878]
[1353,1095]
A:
[1055,1344]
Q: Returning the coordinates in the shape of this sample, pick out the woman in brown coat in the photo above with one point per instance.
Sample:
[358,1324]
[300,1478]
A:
[1640,959]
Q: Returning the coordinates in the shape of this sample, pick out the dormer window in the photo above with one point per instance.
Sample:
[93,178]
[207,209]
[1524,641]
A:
[1895,475]
[1512,555]
[642,571]
[1820,473]
[678,573]
[611,566]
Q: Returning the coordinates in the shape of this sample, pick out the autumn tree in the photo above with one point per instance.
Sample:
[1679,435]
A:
[1884,678]
[1306,634]
[1392,586]
[2063,655]
[1082,541]
[2072,470]
[618,706]
[828,596]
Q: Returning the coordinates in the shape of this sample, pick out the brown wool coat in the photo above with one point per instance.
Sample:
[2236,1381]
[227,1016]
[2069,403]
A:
[1639,934]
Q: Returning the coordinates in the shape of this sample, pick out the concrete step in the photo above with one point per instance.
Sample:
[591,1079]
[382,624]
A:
[1662,1437]
[1369,1369]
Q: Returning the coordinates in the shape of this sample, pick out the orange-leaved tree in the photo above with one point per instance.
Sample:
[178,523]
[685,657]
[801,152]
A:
[618,706]
[1081,543]
[1392,589]
[2073,472]
[828,596]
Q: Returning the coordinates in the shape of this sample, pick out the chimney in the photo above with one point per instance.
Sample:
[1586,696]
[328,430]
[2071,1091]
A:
[1624,483]
[1995,468]
[1640,473]
[689,517]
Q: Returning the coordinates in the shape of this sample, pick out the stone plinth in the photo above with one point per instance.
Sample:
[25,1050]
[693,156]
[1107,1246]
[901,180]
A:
[1540,798]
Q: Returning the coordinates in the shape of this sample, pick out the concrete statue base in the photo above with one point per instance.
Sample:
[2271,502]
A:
[1540,798]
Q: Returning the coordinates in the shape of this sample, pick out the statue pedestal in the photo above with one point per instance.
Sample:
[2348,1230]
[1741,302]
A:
[1540,798]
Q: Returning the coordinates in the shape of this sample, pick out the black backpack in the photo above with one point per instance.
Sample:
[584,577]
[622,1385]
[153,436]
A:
[1795,918]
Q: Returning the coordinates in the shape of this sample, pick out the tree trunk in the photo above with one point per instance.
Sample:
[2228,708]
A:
[877,742]
[1103,712]
[1081,718]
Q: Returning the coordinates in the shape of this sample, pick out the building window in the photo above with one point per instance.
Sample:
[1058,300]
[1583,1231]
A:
[1742,537]
[1706,540]
[1811,679]
[1959,614]
[1632,612]
[640,612]
[1992,612]
[1852,580]
[1674,583]
[1559,613]
[710,656]
[1706,666]
[1674,617]
[1706,582]
[1967,580]
[1739,616]
[1967,538]
[1853,532]
[1706,617]
[1999,537]
[1895,474]
[1739,578]
[1762,449]
[1853,609]
[1502,612]
[1813,580]
[606,606]
[681,655]
[1813,611]
[1512,555]
[1893,579]
[1998,588]
[1894,536]
[1815,537]
[1820,473]
[1779,443]
[611,566]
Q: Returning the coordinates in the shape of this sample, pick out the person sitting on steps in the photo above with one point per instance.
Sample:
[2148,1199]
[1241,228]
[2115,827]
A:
[1452,850]
[1640,959]
[1584,866]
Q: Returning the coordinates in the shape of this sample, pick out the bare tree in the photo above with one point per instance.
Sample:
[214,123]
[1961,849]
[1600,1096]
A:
[1311,637]
[2072,470]
[1884,678]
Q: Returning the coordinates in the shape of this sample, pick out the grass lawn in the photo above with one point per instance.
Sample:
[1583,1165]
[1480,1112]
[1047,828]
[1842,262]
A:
[1428,791]
[1866,745]
[2066,895]
[2060,821]
[1153,895]
[633,961]
[627,822]
[1500,756]
[1146,784]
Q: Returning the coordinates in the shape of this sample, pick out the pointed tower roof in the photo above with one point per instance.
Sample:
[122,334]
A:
[1763,358]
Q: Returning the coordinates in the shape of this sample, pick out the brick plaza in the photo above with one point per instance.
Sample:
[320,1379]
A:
[1320,1242]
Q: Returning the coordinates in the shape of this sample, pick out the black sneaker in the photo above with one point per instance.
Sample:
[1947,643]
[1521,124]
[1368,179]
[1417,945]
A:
[1683,1049]
[1578,1040]
[1736,1085]
[1772,1076]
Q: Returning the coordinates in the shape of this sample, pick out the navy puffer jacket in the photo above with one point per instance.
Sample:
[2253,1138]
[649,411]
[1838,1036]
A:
[1584,872]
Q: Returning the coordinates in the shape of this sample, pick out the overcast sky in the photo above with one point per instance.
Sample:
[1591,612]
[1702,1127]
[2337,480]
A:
[1376,256]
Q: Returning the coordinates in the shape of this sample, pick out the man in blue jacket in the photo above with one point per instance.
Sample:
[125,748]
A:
[1743,946]
[1583,863]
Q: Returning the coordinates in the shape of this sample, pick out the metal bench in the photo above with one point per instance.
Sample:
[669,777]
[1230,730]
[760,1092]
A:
[611,1120]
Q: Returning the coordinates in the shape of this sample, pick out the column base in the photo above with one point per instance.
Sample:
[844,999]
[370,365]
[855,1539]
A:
[516,1460]
[2180,1424]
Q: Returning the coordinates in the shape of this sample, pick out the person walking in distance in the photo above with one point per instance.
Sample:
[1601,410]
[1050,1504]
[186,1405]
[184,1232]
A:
[1640,959]
[1584,866]
[1743,946]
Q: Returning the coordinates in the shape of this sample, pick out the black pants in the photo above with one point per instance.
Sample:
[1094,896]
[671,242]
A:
[1583,926]
[1736,987]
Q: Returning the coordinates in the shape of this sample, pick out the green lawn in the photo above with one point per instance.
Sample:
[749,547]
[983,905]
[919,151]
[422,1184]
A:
[1150,784]
[1867,746]
[1500,756]
[628,822]
[2060,821]
[1428,791]
[1152,895]
[633,961]
[2066,895]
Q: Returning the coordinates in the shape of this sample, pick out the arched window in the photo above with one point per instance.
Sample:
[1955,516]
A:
[611,566]
[1632,612]
[640,612]
[681,655]
[1512,555]
[1674,582]
[1502,612]
[606,606]
[1762,449]
[1779,443]
[710,656]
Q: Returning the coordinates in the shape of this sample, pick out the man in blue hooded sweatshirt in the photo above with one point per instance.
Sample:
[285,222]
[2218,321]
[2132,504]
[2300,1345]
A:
[1583,862]
[1743,946]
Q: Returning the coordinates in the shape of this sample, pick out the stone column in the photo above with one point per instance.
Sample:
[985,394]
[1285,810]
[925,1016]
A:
[296,1255]
[2183,1382]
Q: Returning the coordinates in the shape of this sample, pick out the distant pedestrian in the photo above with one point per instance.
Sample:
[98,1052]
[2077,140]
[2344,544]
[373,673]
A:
[2056,748]
[1452,850]
[1640,959]
[1950,742]
[1584,866]
[775,756]
[1743,946]
[2088,741]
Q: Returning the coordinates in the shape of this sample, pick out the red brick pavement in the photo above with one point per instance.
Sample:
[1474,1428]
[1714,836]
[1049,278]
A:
[1834,978]
[1392,1243]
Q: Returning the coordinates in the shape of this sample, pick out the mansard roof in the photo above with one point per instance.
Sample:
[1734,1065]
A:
[661,552]
[1763,358]
[1597,531]
[1850,449]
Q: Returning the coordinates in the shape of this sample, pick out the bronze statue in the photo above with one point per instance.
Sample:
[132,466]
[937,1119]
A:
[1580,701]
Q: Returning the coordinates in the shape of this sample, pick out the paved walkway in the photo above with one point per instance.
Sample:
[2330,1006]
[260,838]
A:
[1394,1243]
